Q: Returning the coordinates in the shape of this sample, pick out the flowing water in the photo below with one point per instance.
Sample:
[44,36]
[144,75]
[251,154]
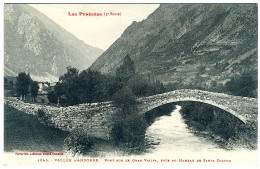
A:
[172,134]
[171,138]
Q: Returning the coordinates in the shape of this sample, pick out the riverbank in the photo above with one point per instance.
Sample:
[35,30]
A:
[220,126]
[23,132]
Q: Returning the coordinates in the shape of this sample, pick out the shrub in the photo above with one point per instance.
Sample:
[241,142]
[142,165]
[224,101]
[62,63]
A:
[129,126]
[52,97]
[125,100]
[43,118]
[129,132]
[78,143]
[40,113]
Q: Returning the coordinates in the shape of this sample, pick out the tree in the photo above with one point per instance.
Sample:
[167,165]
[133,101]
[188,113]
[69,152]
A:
[139,85]
[72,74]
[59,90]
[22,84]
[244,85]
[68,86]
[129,125]
[126,101]
[95,85]
[34,90]
[126,71]
[52,97]
[87,86]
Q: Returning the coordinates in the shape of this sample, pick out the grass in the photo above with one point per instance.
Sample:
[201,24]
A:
[23,132]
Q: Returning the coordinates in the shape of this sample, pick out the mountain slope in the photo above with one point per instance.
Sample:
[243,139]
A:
[35,44]
[186,42]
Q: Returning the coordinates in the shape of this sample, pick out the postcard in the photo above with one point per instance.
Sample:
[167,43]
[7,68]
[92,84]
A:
[171,84]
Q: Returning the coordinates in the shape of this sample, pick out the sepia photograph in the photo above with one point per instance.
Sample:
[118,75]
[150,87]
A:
[170,84]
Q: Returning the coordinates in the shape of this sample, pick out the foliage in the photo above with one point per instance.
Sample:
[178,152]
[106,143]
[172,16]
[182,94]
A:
[78,143]
[40,113]
[34,90]
[52,97]
[166,109]
[22,84]
[217,122]
[91,86]
[244,85]
[5,82]
[129,125]
[126,71]
[198,112]
[72,74]
[129,131]
[43,117]
[59,90]
[9,87]
[85,87]
[125,100]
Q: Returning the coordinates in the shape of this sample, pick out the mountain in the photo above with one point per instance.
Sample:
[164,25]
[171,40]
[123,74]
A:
[189,44]
[37,45]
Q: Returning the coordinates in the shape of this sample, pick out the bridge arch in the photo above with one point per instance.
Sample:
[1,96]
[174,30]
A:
[241,107]
[233,113]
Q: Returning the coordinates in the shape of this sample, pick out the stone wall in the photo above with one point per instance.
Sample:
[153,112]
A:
[94,119]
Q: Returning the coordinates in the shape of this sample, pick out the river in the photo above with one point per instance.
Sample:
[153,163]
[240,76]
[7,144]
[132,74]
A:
[170,133]
[172,139]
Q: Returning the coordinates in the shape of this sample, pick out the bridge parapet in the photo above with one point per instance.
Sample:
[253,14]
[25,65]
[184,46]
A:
[243,108]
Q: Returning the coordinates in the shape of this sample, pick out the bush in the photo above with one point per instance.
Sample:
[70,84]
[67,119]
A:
[52,97]
[129,126]
[40,113]
[129,132]
[198,112]
[233,132]
[125,100]
[78,143]
[245,85]
[44,118]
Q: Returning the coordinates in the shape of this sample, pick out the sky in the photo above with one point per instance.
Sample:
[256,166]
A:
[97,31]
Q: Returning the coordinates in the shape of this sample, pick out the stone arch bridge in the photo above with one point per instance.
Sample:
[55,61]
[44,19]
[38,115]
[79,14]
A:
[96,119]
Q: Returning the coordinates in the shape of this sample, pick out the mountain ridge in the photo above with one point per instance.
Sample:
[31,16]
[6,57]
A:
[184,43]
[41,45]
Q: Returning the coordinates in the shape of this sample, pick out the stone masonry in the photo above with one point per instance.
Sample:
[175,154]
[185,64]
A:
[96,119]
